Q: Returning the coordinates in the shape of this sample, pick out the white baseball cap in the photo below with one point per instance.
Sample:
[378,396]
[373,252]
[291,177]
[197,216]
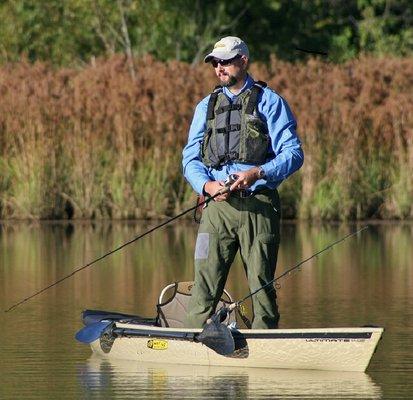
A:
[227,48]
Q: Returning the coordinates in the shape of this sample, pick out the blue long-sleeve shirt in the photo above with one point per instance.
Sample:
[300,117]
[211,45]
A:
[286,146]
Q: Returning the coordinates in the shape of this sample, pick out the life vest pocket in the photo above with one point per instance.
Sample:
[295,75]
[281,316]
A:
[256,140]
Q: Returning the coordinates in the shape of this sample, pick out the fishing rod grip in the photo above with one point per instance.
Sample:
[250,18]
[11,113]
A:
[224,190]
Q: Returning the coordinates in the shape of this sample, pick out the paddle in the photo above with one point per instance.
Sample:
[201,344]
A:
[215,334]
[92,332]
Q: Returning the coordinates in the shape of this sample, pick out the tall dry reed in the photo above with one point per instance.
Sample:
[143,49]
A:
[93,143]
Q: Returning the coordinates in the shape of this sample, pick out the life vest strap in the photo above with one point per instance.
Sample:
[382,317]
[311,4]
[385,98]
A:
[212,101]
[229,107]
[229,128]
[253,100]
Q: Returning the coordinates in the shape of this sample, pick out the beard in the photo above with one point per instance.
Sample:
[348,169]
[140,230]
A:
[232,80]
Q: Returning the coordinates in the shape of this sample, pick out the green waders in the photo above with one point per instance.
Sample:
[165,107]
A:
[251,224]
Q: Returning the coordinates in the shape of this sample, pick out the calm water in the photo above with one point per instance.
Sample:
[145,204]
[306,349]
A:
[365,280]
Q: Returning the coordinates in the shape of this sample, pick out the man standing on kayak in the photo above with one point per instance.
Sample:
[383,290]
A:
[242,128]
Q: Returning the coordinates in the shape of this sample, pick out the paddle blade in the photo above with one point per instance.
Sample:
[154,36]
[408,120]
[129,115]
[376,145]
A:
[91,332]
[217,336]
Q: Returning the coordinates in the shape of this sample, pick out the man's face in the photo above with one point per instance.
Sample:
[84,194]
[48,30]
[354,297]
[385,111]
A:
[229,72]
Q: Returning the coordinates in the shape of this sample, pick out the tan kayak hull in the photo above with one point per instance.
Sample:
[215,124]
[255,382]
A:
[334,349]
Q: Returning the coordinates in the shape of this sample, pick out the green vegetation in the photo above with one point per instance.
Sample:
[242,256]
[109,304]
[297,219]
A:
[74,31]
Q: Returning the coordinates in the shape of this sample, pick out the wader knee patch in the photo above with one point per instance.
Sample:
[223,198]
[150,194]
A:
[202,246]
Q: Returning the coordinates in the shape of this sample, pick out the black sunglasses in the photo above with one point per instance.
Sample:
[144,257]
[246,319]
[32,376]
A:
[216,61]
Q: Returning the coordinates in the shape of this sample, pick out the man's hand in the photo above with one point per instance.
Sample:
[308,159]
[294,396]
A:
[213,187]
[246,179]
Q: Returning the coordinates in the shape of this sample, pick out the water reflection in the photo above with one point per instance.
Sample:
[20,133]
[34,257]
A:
[364,280]
[200,382]
[373,268]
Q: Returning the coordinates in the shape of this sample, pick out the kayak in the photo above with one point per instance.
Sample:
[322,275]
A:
[127,337]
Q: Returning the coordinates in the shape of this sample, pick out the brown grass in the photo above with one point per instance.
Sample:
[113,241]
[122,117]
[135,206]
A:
[92,143]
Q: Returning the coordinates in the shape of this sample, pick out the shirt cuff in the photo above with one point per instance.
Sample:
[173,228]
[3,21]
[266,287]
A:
[267,170]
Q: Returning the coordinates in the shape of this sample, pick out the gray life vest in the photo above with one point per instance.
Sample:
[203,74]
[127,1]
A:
[234,131]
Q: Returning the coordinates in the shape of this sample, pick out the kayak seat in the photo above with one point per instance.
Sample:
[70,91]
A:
[173,304]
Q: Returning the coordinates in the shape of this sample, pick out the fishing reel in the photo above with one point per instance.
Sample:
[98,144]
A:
[230,180]
[201,202]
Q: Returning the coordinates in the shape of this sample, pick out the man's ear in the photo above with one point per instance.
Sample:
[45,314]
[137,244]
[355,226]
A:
[245,61]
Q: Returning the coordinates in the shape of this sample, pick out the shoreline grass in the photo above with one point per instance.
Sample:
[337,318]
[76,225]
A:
[91,143]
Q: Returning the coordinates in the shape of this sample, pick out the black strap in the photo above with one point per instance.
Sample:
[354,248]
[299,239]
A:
[229,107]
[226,158]
[253,100]
[212,101]
[229,128]
[161,317]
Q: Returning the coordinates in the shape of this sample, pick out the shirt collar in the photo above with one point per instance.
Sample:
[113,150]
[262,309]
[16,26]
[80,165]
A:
[248,83]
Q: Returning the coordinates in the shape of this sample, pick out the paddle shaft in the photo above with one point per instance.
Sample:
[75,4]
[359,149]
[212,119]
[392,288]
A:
[236,304]
[225,189]
[191,336]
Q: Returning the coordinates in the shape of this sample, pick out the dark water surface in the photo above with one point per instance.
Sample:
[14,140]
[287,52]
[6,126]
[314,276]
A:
[365,280]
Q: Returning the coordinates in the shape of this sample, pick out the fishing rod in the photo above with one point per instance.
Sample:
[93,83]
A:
[225,189]
[290,270]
